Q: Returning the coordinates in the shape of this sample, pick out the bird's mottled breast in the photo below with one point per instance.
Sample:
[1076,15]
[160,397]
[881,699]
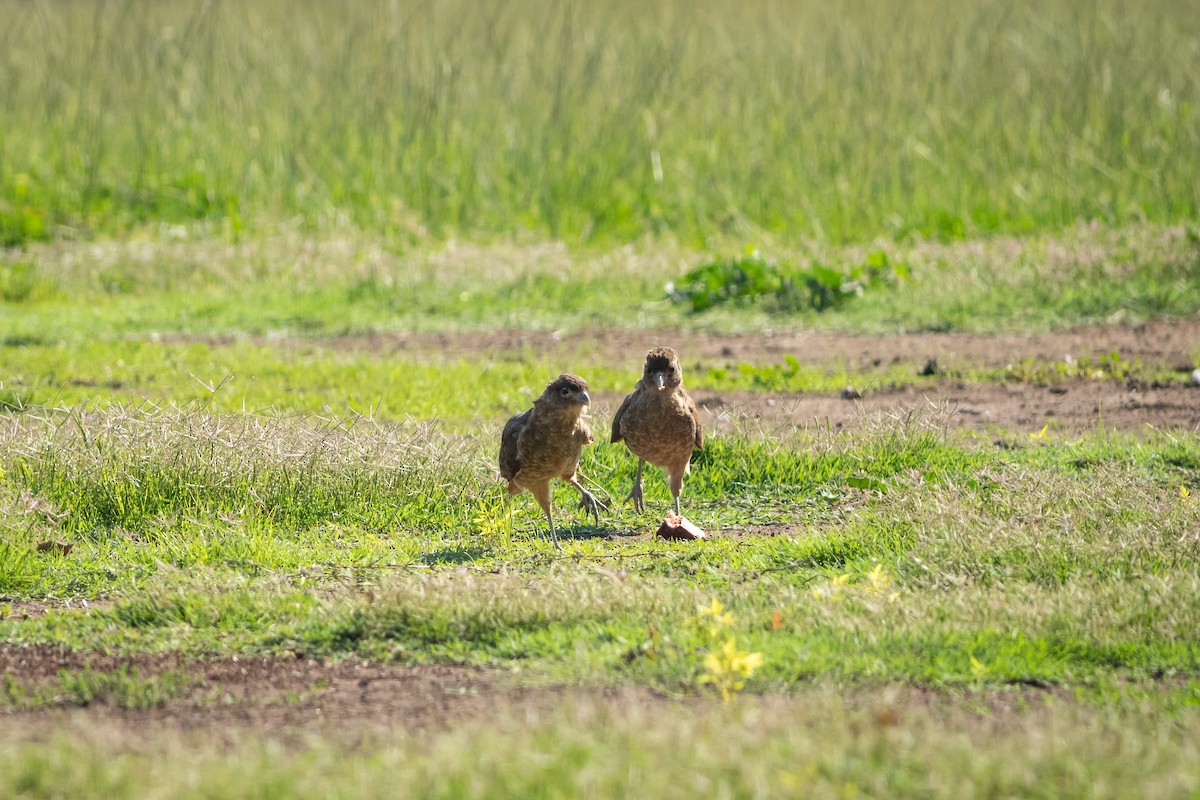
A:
[659,427]
[550,444]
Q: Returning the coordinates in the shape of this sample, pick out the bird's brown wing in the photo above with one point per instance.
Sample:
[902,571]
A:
[510,463]
[691,407]
[616,420]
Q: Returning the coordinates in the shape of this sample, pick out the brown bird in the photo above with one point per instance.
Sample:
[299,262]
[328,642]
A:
[659,423]
[545,442]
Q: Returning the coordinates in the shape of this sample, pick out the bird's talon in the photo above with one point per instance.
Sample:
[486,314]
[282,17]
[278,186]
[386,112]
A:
[590,505]
[639,502]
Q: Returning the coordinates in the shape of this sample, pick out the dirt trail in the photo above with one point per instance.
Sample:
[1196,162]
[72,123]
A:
[1174,344]
[229,696]
[292,700]
[1071,407]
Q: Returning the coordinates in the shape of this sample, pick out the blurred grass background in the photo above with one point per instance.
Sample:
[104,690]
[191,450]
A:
[597,122]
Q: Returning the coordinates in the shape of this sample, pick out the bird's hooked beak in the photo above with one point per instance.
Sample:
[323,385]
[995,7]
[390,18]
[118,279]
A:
[585,398]
[660,380]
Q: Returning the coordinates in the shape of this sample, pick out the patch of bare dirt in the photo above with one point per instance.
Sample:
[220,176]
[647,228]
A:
[283,695]
[291,701]
[1069,408]
[1173,343]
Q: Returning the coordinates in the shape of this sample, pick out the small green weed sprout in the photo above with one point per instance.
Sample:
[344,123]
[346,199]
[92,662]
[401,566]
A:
[726,666]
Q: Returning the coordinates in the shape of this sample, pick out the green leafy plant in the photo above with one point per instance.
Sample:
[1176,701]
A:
[732,280]
[754,280]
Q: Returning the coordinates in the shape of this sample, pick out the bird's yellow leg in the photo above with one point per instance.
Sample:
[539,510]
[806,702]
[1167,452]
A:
[541,493]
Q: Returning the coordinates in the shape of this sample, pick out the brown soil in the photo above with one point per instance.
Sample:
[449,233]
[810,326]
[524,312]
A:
[353,702]
[933,359]
[286,696]
[1174,344]
[1071,408]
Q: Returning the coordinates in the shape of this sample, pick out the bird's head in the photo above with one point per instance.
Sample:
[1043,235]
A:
[567,390]
[662,369]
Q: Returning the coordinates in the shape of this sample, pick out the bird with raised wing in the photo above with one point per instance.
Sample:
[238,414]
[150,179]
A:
[659,423]
[545,442]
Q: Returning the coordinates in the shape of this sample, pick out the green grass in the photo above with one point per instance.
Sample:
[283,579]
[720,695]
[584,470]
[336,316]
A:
[332,379]
[588,122]
[207,434]
[936,616]
[1055,563]
[133,294]
[857,564]
[877,745]
[122,688]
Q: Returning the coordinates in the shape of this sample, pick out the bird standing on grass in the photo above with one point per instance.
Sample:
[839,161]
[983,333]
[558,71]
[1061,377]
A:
[545,442]
[659,423]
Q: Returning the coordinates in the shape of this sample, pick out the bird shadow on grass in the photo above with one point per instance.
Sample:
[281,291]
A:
[594,532]
[453,555]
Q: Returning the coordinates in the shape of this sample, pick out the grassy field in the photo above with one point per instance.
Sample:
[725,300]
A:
[287,326]
[587,122]
[251,395]
[820,748]
[1048,591]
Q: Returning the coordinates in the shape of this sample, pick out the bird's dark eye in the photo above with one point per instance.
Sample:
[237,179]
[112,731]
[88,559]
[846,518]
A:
[565,391]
